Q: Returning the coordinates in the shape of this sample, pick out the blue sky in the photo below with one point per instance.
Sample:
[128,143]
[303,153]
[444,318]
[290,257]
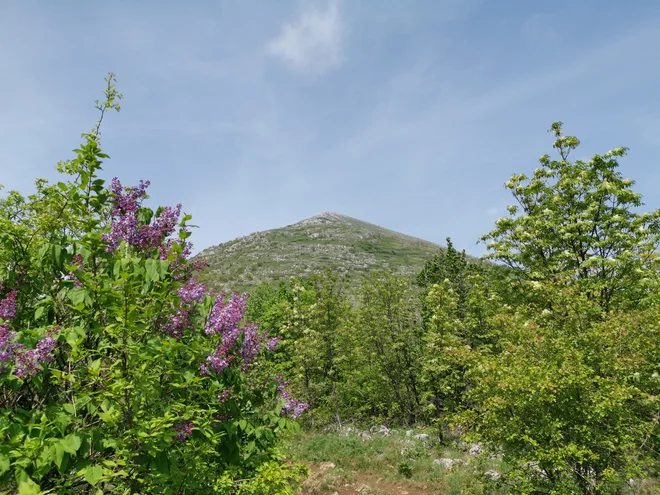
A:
[254,115]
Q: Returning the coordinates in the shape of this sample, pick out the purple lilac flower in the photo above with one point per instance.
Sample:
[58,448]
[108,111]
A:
[8,346]
[218,361]
[225,317]
[252,343]
[178,323]
[193,291]
[178,268]
[271,344]
[78,261]
[162,227]
[126,224]
[181,320]
[224,395]
[124,214]
[29,362]
[220,418]
[291,406]
[8,306]
[184,430]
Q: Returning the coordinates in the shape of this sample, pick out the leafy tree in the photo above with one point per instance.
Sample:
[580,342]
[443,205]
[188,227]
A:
[119,371]
[569,391]
[450,265]
[317,322]
[571,402]
[455,333]
[577,221]
[386,349]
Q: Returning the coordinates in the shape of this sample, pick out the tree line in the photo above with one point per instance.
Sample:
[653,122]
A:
[547,352]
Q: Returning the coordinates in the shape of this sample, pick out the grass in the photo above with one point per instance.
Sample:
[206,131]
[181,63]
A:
[398,460]
[380,465]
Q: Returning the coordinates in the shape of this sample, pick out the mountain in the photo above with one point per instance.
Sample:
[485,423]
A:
[331,240]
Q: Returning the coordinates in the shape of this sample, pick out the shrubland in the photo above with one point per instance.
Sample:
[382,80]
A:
[122,373]
[549,356]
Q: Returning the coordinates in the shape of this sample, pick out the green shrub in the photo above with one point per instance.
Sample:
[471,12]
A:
[119,371]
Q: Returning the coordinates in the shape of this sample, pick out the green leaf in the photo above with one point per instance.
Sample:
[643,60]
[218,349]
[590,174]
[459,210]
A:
[57,255]
[38,312]
[4,464]
[58,456]
[28,487]
[95,366]
[92,474]
[78,296]
[152,270]
[162,466]
[71,443]
[145,215]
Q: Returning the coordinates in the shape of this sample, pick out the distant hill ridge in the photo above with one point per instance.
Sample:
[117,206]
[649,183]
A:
[326,240]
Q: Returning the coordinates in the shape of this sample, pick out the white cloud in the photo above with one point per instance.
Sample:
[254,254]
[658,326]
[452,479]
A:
[313,43]
[492,211]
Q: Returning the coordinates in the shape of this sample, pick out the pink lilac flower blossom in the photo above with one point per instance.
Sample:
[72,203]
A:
[224,395]
[8,346]
[78,261]
[225,316]
[184,430]
[291,406]
[126,224]
[28,362]
[8,306]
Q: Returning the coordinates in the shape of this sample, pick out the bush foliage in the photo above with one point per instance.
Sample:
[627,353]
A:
[120,372]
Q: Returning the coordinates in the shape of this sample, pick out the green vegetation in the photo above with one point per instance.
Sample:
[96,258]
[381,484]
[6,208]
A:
[119,372]
[535,373]
[549,358]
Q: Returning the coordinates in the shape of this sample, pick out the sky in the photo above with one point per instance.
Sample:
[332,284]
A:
[257,114]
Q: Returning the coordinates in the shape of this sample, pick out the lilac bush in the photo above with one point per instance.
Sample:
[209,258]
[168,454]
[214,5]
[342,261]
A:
[120,371]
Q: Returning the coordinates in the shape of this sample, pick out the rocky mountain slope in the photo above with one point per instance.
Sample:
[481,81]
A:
[341,243]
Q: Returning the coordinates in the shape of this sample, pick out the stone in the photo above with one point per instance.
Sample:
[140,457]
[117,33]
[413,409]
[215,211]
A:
[325,466]
[445,463]
[492,475]
[476,449]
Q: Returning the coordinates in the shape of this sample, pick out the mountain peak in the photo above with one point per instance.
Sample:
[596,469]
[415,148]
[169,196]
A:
[326,240]
[323,217]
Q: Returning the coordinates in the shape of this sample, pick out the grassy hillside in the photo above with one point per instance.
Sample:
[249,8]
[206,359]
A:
[330,240]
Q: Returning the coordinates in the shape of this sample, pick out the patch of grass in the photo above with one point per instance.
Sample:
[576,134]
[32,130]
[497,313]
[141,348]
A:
[400,459]
[396,458]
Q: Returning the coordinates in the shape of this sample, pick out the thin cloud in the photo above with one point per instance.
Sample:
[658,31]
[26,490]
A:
[313,43]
